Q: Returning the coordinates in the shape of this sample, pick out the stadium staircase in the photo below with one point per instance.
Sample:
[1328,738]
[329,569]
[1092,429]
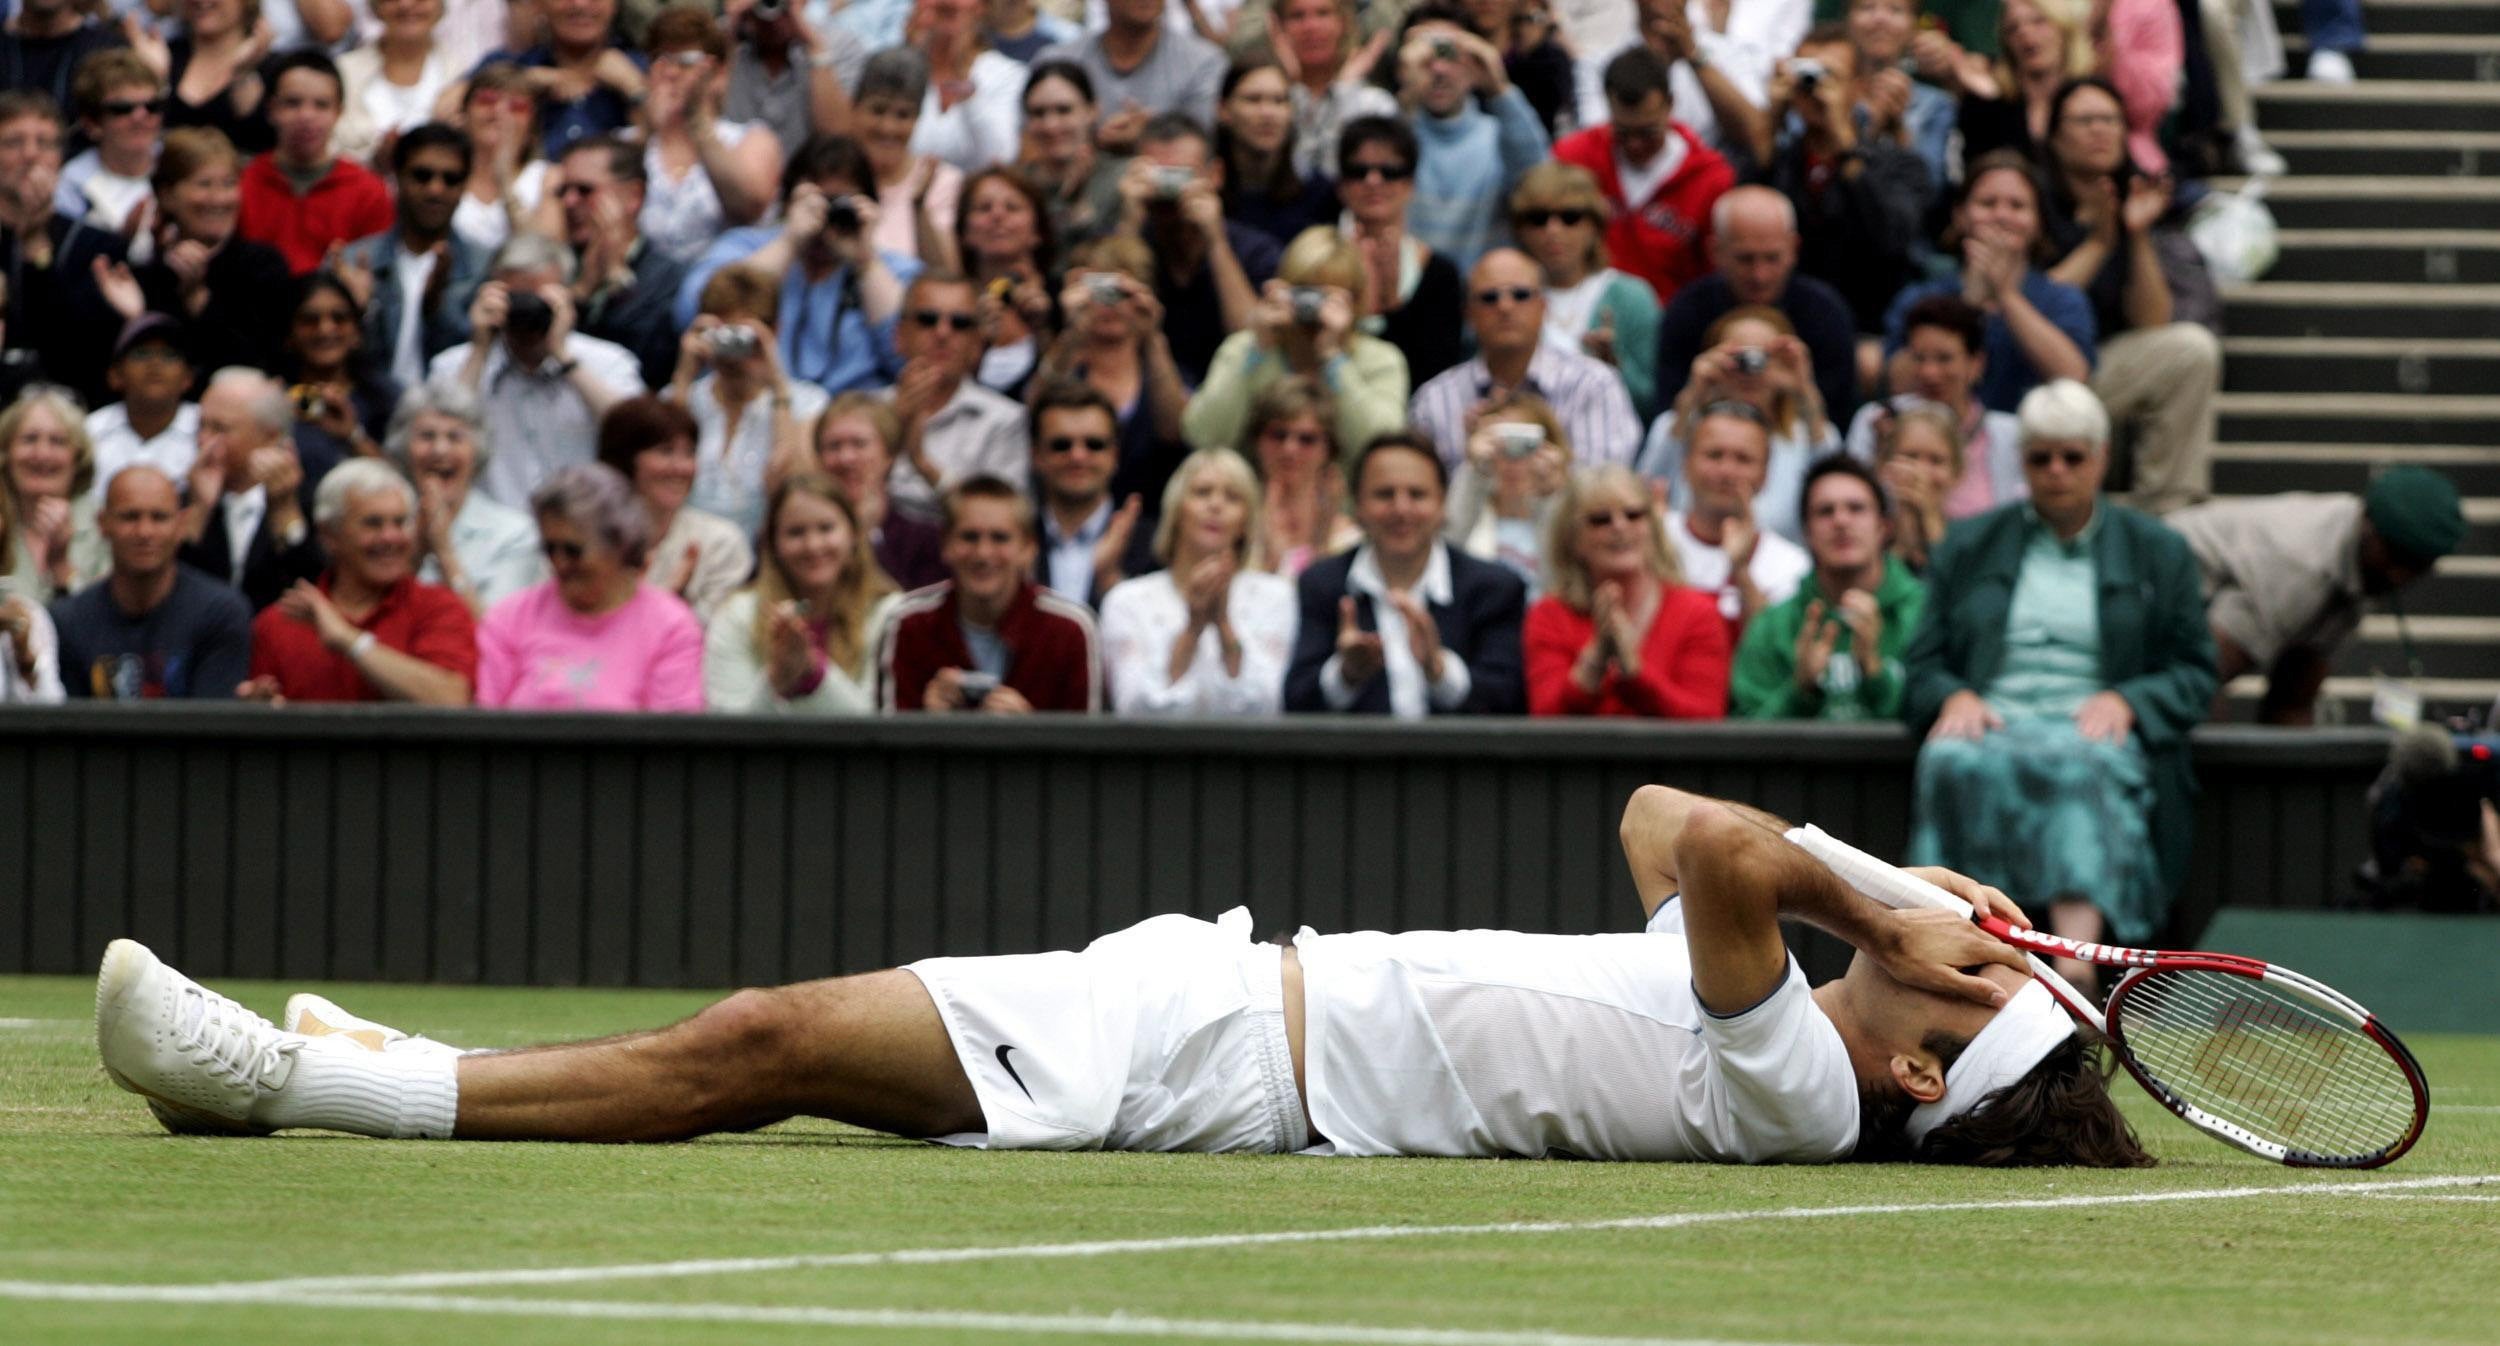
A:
[2375,339]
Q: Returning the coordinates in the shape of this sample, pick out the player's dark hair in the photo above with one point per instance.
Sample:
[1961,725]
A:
[2058,1114]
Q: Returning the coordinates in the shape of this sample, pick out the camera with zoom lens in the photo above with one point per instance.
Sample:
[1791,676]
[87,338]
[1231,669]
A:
[527,315]
[765,11]
[1444,49]
[1307,301]
[1752,360]
[842,215]
[1808,73]
[732,343]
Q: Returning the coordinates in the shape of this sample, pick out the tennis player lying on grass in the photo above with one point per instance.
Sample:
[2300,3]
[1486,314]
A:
[1698,1043]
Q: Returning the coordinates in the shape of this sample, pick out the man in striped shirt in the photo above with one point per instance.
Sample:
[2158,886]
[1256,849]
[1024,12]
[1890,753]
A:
[1506,310]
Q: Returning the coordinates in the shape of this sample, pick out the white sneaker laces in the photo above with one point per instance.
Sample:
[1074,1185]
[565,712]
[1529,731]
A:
[232,1040]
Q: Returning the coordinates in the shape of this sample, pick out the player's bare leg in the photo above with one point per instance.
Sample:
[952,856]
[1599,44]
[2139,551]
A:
[869,1050]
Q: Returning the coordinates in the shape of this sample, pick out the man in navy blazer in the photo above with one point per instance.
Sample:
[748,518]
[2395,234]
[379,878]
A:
[1405,624]
[248,523]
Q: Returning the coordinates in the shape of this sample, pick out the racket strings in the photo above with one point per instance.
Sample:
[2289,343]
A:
[2267,1059]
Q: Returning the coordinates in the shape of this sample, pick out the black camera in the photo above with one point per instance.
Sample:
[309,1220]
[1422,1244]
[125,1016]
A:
[765,11]
[527,316]
[842,215]
[1752,360]
[1307,301]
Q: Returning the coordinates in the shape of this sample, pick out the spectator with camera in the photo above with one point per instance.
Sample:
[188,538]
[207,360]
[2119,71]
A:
[300,197]
[153,627]
[1413,297]
[469,544]
[787,72]
[246,524]
[1755,361]
[1517,469]
[1304,325]
[694,554]
[1113,343]
[750,415]
[989,640]
[1620,634]
[594,636]
[121,117]
[1206,634]
[1003,235]
[342,401]
[543,385]
[1405,624]
[411,314]
[624,288]
[1208,270]
[856,441]
[953,428]
[1660,179]
[1475,133]
[367,629]
[1080,187]
[1832,651]
[1720,547]
[1090,539]
[1754,246]
[802,638]
[1142,69]
[2286,577]
[840,294]
[1944,337]
[155,422]
[57,268]
[1717,59]
[49,544]
[1506,311]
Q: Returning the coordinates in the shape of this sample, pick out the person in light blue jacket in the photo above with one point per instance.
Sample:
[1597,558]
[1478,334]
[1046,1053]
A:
[1475,131]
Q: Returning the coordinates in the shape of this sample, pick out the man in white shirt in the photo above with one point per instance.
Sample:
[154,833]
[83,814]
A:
[248,520]
[152,424]
[1506,311]
[1701,1043]
[413,314]
[543,385]
[1722,548]
[953,428]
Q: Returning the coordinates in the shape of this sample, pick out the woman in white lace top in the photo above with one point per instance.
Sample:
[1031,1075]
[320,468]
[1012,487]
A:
[1206,635]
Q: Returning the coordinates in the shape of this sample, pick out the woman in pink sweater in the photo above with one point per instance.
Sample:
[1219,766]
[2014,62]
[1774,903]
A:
[594,637]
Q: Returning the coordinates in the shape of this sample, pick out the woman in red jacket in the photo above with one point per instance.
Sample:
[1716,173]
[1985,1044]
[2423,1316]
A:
[1617,632]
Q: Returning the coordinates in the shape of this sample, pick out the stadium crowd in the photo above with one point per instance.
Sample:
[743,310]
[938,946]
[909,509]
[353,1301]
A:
[1763,358]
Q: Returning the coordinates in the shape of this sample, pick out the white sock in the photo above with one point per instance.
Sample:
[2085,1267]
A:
[397,1095]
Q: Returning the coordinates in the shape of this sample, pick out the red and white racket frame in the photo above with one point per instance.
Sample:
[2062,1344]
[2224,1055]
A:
[1898,888]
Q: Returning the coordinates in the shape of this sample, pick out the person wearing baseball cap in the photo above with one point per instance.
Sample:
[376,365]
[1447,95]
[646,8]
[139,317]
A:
[155,422]
[2287,576]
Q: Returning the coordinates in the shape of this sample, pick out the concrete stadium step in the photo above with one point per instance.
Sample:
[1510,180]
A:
[2359,418]
[2391,256]
[2371,202]
[2389,153]
[2443,55]
[2360,364]
[2445,647]
[2262,468]
[2386,18]
[2346,700]
[2462,586]
[2309,308]
[2379,105]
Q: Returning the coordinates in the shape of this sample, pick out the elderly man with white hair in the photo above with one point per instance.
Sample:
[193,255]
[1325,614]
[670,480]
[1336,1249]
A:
[543,385]
[2061,661]
[368,629]
[466,542]
[247,523]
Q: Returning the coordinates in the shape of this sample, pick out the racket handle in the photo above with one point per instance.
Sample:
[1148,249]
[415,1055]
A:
[1895,888]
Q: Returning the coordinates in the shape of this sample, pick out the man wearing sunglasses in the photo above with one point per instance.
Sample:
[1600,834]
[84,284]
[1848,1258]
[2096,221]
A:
[953,428]
[626,288]
[1506,312]
[417,278]
[1090,541]
[121,114]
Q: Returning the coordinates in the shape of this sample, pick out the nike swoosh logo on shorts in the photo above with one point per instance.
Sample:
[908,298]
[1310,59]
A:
[1010,1067]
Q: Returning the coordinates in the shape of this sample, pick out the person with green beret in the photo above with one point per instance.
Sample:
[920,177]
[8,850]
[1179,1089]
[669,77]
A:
[2286,576]
[1832,651]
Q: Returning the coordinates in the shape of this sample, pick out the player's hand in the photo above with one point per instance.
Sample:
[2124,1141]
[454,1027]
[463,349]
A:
[1984,900]
[1927,947]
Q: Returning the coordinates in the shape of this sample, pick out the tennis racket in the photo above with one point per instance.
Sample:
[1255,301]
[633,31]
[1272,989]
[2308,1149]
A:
[2263,1058]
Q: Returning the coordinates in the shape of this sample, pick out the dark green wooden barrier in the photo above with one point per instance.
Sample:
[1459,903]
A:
[711,851]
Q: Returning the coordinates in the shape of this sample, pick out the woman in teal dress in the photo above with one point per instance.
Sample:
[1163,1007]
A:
[2062,660]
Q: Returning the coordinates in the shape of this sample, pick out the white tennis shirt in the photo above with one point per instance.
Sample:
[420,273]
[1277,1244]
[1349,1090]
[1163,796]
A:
[1492,1043]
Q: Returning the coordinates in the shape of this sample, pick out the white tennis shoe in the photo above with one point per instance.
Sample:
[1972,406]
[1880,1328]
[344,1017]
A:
[325,1021]
[202,1061]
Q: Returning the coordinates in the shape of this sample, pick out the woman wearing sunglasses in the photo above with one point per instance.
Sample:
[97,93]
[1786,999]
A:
[1412,296]
[507,179]
[594,637]
[1558,214]
[1619,634]
[2061,662]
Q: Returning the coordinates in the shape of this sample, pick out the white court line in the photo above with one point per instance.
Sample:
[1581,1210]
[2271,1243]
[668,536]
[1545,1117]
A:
[38,1023]
[1106,1325]
[237,1291]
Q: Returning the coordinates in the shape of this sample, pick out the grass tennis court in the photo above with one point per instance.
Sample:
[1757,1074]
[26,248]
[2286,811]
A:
[835,1234]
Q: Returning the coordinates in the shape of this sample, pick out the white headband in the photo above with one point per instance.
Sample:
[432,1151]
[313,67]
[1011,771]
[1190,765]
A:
[2021,1035]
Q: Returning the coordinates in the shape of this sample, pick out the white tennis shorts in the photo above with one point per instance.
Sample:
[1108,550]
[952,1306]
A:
[1169,1035]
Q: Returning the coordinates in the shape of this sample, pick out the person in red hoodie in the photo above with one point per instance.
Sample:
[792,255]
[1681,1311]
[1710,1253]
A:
[990,640]
[1660,180]
[300,198]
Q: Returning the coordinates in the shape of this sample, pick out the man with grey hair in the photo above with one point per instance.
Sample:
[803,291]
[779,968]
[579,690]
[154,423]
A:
[477,548]
[368,629]
[1753,255]
[543,384]
[247,522]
